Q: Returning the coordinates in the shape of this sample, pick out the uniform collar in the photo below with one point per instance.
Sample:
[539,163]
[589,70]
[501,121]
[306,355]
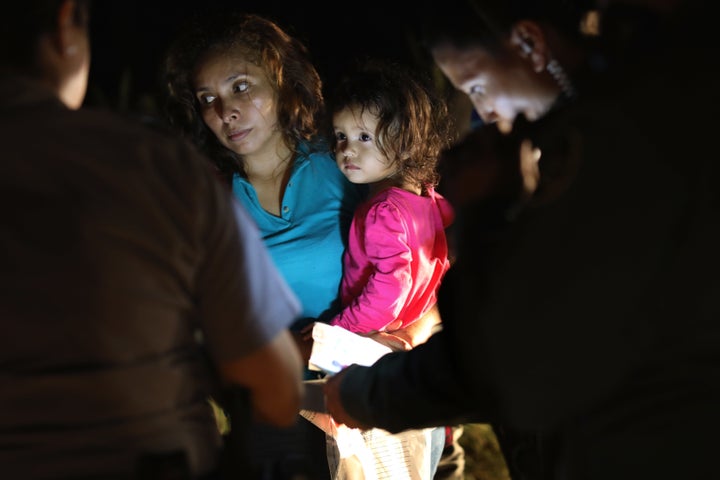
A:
[19,91]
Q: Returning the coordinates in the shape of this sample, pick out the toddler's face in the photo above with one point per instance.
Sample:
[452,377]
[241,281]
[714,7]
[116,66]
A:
[356,148]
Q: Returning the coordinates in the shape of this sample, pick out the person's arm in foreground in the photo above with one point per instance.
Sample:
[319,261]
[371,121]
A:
[272,373]
[246,308]
[418,388]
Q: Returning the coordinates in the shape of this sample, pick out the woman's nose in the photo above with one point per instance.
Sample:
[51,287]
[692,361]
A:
[229,112]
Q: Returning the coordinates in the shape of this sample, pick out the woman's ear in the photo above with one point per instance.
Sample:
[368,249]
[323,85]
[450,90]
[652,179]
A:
[529,41]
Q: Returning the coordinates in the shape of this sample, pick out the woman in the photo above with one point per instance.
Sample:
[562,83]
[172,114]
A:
[247,93]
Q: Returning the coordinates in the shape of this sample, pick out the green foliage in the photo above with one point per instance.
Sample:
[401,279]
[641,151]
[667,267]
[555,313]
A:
[125,98]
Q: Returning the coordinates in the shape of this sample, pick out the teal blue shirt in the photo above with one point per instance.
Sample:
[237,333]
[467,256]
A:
[308,239]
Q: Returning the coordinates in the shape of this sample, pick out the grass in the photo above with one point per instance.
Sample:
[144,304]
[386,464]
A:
[483,460]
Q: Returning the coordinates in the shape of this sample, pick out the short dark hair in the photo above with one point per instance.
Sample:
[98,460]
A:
[23,23]
[465,23]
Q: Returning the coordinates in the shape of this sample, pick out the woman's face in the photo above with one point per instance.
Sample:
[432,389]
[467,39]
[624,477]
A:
[238,103]
[499,88]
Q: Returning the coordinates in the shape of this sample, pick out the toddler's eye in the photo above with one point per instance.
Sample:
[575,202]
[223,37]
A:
[365,137]
[340,136]
[476,90]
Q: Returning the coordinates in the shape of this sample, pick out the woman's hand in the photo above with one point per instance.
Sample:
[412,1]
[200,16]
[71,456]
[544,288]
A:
[304,342]
[394,342]
[306,332]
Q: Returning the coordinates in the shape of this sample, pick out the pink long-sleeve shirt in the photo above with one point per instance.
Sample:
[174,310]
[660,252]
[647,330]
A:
[396,257]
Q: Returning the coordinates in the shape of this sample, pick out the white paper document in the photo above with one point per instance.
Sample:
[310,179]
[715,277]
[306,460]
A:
[355,454]
[335,348]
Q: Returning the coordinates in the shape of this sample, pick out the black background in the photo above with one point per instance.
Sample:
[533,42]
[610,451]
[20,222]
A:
[130,37]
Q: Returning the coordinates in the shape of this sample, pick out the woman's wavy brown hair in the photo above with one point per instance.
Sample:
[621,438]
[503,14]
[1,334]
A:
[261,41]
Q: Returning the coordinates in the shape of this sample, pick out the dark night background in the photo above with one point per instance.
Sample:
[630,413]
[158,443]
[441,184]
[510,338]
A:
[130,37]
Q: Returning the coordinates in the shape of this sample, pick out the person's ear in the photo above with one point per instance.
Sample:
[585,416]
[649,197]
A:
[529,41]
[67,29]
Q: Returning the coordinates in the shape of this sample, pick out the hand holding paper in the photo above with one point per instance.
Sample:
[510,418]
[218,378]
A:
[334,406]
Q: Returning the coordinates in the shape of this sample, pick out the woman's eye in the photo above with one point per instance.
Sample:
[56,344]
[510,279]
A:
[206,99]
[241,87]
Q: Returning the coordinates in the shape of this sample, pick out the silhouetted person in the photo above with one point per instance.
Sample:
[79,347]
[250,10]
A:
[132,287]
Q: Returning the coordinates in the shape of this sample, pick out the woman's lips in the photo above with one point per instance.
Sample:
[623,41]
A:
[237,135]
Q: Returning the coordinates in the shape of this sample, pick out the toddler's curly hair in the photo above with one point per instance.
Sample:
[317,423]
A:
[414,124]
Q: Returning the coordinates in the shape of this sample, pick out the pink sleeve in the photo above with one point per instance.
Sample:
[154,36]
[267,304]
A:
[388,285]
